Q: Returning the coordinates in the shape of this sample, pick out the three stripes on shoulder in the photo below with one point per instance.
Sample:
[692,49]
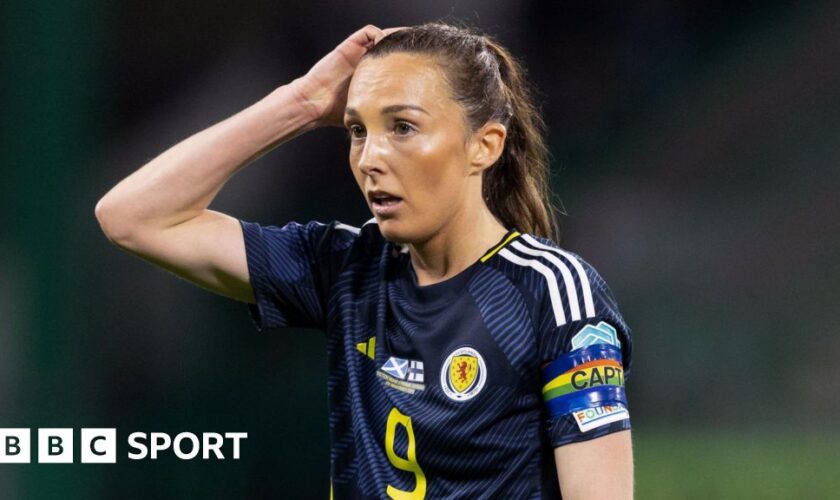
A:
[562,261]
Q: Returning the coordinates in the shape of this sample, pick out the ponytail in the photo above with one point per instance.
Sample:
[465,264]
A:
[517,189]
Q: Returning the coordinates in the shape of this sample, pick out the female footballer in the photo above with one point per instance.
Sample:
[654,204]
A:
[470,356]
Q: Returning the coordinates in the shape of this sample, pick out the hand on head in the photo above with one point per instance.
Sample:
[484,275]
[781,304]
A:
[323,90]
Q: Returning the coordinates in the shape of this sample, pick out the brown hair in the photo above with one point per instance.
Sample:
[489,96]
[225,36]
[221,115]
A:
[490,84]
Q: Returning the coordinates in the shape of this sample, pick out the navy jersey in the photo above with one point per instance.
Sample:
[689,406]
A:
[462,388]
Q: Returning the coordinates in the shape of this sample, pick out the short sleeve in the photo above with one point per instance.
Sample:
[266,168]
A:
[586,356]
[291,269]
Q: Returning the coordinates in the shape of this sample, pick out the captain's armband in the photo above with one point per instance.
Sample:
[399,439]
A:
[587,383]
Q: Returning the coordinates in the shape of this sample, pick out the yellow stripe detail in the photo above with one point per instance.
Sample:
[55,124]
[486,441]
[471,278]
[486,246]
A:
[499,246]
[368,348]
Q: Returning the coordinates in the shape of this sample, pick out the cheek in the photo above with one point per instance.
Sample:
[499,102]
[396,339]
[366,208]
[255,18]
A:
[437,170]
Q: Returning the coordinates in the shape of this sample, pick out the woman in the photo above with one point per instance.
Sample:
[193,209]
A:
[469,355]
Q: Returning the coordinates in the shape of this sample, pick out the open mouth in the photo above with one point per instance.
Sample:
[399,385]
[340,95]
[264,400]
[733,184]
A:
[385,203]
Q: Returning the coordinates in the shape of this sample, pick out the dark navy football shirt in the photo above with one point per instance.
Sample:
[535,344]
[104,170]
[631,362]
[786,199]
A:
[457,389]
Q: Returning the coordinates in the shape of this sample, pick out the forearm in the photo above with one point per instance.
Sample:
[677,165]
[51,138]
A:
[180,183]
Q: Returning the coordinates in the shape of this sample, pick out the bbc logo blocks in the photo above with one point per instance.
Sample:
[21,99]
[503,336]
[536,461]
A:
[55,446]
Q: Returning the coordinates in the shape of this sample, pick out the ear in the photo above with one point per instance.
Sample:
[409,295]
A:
[486,146]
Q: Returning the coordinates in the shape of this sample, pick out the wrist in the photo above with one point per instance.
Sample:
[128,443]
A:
[290,102]
[311,99]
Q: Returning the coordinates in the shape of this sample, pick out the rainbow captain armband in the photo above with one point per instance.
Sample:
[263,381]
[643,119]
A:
[584,379]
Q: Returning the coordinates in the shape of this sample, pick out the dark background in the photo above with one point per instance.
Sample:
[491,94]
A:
[696,148]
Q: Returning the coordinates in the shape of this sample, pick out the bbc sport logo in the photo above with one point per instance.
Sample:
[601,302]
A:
[99,446]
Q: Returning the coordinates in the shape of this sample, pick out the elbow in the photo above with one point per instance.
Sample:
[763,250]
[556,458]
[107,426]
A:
[116,226]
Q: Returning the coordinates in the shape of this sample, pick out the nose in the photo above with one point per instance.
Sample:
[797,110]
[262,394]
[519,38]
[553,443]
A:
[371,158]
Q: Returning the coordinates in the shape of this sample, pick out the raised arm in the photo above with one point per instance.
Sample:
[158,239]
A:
[159,212]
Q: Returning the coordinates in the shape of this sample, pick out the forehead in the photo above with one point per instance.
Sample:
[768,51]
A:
[399,79]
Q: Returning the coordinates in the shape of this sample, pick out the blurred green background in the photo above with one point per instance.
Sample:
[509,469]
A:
[696,148]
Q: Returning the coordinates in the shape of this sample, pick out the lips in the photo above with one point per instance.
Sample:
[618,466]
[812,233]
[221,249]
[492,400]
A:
[379,196]
[383,202]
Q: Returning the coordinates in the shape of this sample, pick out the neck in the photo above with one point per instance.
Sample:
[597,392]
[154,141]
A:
[458,244]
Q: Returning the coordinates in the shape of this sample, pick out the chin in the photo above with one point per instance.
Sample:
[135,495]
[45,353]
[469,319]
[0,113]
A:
[393,231]
[400,232]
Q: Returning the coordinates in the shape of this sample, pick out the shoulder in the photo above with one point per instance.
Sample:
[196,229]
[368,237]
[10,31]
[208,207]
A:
[365,238]
[313,241]
[327,236]
[568,295]
[558,278]
[357,248]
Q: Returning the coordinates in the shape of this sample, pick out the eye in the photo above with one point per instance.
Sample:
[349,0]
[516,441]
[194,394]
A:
[355,131]
[403,128]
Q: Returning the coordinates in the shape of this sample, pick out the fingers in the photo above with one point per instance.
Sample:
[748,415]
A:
[388,31]
[370,35]
[367,36]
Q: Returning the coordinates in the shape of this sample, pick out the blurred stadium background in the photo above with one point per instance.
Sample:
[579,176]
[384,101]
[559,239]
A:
[696,148]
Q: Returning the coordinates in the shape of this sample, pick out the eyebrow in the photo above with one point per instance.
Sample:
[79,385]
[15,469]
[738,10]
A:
[394,108]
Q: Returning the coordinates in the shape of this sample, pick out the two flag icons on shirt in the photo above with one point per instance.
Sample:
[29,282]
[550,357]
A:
[404,375]
[404,369]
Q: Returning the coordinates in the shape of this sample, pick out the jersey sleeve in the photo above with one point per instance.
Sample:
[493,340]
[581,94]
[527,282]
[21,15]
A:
[291,269]
[586,354]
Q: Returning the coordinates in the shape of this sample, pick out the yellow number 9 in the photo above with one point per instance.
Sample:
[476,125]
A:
[408,464]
